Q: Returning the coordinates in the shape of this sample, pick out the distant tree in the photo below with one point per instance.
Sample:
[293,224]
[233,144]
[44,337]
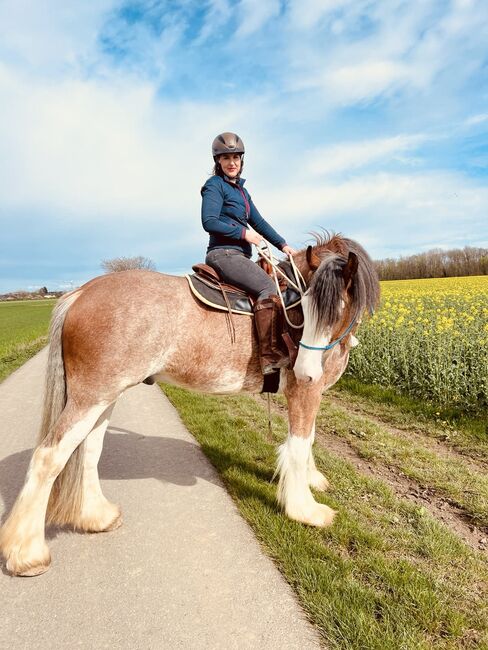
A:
[43,291]
[127,264]
[435,263]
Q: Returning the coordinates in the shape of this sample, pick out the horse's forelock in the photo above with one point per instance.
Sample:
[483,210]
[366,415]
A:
[327,283]
[326,291]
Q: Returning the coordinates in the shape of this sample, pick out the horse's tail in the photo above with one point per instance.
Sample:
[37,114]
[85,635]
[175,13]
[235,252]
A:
[66,494]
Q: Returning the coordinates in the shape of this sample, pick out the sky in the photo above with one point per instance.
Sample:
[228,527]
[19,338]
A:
[363,117]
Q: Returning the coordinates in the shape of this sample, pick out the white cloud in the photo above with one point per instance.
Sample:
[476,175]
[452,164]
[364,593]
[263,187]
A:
[368,50]
[112,149]
[353,83]
[305,14]
[474,120]
[349,156]
[254,14]
[388,211]
[59,34]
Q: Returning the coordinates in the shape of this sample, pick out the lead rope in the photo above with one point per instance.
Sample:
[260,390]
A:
[300,285]
[270,429]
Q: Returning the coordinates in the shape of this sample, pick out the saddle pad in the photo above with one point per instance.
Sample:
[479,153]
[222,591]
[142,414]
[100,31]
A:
[239,303]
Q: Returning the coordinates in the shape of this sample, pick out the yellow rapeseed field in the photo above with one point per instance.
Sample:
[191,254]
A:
[429,339]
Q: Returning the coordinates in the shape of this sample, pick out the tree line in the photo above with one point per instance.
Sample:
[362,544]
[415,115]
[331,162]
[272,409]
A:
[435,263]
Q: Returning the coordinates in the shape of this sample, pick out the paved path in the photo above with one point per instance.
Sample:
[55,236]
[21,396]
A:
[184,571]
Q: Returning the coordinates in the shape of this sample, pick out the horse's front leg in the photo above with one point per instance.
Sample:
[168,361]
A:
[316,479]
[296,466]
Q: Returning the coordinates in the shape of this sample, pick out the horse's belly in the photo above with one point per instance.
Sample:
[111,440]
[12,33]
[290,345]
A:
[225,382]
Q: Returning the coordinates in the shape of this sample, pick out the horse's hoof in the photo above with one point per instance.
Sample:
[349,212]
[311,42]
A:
[317,480]
[314,515]
[117,523]
[103,520]
[34,571]
[321,516]
[21,566]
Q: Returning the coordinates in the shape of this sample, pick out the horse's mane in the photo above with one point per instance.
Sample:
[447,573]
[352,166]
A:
[327,285]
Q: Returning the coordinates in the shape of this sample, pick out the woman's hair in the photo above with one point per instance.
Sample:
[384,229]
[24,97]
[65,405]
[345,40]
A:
[217,169]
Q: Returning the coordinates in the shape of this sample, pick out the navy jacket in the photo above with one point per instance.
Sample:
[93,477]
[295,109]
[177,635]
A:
[226,215]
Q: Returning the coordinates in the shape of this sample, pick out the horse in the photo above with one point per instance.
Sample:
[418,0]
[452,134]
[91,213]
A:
[119,329]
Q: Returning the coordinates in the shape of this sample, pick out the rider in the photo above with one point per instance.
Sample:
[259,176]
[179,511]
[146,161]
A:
[227,212]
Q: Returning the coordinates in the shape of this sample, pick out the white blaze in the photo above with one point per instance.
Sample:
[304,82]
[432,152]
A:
[308,366]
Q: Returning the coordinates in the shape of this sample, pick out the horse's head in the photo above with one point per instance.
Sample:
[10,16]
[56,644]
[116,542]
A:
[342,285]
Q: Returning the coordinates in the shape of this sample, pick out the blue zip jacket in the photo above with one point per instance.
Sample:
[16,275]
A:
[225,216]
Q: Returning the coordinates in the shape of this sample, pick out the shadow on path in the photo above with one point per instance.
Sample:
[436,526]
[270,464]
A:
[126,455]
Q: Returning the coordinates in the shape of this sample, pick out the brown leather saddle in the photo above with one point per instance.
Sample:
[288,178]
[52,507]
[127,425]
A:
[206,286]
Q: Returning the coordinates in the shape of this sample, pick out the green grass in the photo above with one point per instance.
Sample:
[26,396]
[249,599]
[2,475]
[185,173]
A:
[463,432]
[384,576]
[23,331]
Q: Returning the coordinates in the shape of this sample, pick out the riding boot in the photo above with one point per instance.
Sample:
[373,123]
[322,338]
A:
[268,318]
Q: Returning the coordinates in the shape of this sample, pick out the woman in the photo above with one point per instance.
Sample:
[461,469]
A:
[227,212]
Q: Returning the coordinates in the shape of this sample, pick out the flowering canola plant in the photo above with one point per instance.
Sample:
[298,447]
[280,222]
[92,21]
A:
[429,338]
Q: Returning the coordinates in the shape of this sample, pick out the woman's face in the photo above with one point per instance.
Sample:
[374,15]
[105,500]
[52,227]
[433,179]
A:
[231,164]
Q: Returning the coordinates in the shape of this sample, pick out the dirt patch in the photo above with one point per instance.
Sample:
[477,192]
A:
[441,508]
[438,506]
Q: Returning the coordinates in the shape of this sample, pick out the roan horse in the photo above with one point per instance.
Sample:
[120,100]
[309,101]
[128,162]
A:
[121,328]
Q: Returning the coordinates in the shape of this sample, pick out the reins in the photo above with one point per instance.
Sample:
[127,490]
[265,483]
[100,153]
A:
[300,284]
[301,287]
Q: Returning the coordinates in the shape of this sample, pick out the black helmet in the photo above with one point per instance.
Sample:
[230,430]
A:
[227,143]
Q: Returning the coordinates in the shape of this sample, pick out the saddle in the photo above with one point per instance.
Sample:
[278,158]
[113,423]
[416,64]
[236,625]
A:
[208,288]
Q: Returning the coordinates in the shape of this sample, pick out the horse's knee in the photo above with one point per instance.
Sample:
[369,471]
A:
[47,463]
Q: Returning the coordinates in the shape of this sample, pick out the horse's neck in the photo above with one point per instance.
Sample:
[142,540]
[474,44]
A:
[300,261]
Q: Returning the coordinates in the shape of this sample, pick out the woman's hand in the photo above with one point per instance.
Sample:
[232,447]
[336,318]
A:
[289,250]
[253,238]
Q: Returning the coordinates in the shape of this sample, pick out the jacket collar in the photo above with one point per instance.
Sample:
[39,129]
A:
[240,181]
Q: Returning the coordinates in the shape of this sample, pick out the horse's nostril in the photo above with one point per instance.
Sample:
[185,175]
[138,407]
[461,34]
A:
[304,379]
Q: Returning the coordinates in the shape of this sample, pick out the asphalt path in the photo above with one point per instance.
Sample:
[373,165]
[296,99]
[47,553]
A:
[184,570]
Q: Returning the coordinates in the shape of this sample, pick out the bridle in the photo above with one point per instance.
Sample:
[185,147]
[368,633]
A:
[301,286]
[330,345]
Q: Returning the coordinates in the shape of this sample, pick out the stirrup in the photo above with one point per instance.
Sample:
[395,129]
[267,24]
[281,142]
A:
[270,368]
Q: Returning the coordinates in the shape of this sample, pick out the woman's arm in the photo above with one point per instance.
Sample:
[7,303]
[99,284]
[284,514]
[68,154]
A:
[212,202]
[263,227]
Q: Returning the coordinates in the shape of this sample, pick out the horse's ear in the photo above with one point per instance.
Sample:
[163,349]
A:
[313,260]
[350,269]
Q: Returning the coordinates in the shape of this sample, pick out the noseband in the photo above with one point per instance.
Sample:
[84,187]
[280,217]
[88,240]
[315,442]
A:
[330,345]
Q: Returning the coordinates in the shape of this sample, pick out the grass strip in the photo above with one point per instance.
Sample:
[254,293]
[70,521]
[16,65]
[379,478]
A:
[455,428]
[23,332]
[16,355]
[385,576]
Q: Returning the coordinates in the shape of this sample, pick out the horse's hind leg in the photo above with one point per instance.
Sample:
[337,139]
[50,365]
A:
[97,513]
[295,461]
[22,539]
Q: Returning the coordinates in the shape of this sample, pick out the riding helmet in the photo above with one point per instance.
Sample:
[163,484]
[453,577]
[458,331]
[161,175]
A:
[227,143]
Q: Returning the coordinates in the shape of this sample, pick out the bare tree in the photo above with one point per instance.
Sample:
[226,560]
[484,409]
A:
[435,263]
[127,264]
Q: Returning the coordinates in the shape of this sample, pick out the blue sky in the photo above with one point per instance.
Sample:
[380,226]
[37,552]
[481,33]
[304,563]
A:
[364,117]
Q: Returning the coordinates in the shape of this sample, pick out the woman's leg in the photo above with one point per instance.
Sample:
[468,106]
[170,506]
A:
[237,269]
